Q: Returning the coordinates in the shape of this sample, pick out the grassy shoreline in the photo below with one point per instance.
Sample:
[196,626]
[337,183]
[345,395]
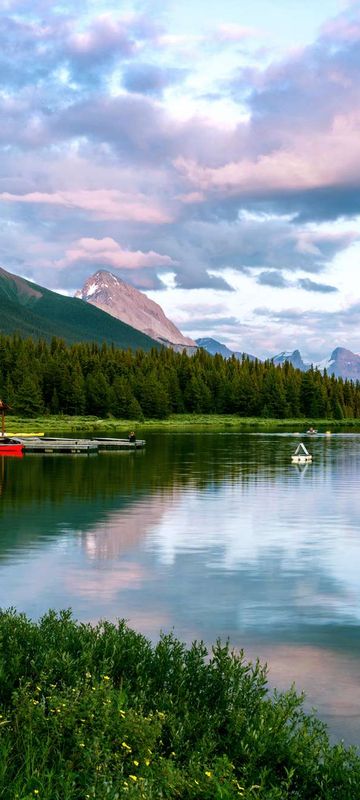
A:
[98,712]
[62,423]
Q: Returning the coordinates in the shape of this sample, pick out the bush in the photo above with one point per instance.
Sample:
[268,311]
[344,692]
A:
[96,712]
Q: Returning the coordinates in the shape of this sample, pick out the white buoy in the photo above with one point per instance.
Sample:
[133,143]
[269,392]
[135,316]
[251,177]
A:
[301,455]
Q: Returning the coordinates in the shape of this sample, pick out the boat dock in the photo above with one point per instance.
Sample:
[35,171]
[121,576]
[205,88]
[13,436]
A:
[75,446]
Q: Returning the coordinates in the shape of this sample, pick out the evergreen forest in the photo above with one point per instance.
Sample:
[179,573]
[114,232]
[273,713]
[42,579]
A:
[37,377]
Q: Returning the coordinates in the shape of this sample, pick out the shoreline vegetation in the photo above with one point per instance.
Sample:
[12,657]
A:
[99,712]
[62,423]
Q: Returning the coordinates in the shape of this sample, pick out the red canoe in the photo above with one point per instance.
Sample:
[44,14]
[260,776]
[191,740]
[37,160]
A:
[9,448]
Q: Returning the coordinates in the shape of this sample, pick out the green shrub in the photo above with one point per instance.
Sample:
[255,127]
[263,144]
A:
[96,712]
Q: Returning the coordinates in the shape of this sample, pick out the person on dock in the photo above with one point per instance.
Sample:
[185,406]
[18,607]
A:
[132,437]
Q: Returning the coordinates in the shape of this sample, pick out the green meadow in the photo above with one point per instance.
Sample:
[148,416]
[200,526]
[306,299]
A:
[61,423]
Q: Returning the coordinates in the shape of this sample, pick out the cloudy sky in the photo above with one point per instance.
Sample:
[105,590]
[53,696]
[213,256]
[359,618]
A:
[207,153]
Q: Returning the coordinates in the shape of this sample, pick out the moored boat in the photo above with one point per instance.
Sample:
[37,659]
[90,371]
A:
[10,447]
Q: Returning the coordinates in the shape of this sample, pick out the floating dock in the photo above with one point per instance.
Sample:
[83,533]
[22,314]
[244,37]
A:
[301,455]
[49,445]
[119,444]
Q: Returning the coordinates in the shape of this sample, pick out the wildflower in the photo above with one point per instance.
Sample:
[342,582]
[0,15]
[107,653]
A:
[82,744]
[147,761]
[133,778]
[161,714]
[87,674]
[208,774]
[172,753]
[122,713]
[126,746]
[136,763]
[106,678]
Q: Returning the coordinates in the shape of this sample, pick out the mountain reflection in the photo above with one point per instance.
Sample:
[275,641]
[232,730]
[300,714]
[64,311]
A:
[211,534]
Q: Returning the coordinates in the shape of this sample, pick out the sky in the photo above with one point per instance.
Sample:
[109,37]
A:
[207,153]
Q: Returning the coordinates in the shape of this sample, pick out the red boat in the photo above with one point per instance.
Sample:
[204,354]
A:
[10,447]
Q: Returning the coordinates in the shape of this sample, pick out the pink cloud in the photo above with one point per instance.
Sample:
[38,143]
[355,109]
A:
[341,28]
[327,158]
[232,32]
[103,34]
[102,203]
[109,252]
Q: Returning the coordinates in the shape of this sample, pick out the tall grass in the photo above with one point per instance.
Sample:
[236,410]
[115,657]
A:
[61,423]
[97,712]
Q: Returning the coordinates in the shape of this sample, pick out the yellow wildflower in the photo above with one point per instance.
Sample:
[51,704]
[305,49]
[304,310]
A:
[136,763]
[106,678]
[208,773]
[147,761]
[133,778]
[82,744]
[126,746]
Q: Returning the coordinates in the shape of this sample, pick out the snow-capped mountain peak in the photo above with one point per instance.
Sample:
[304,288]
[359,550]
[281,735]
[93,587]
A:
[120,300]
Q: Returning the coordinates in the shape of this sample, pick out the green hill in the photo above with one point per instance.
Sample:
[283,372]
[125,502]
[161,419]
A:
[32,310]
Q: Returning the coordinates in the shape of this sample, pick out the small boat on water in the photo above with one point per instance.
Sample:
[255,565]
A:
[10,447]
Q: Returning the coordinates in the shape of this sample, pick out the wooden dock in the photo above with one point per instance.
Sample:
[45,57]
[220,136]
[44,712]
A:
[119,444]
[49,445]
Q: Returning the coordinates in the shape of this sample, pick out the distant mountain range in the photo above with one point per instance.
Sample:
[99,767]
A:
[32,310]
[213,347]
[117,313]
[342,362]
[104,290]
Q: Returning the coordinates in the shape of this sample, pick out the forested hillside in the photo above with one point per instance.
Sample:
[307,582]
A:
[31,310]
[102,380]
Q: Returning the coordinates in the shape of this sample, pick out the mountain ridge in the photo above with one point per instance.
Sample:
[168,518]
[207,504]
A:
[32,310]
[342,362]
[123,301]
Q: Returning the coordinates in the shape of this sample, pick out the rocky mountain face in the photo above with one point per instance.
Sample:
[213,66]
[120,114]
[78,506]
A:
[342,363]
[213,347]
[293,357]
[127,304]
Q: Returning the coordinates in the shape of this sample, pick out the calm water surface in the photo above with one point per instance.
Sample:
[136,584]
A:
[208,534]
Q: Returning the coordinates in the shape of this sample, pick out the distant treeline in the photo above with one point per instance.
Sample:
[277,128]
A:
[101,380]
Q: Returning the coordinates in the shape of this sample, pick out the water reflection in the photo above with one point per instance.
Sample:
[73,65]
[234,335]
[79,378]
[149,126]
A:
[214,535]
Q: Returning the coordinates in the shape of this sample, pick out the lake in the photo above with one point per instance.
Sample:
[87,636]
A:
[207,534]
